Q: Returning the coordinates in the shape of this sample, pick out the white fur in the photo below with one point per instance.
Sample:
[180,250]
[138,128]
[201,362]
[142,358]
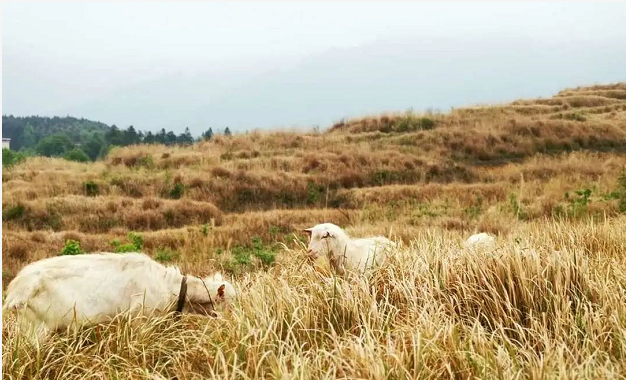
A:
[64,291]
[345,253]
[480,240]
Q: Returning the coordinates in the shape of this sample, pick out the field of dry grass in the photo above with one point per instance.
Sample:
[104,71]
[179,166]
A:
[547,176]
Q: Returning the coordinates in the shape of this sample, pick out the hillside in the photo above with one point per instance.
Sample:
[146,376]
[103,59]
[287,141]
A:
[463,170]
[546,176]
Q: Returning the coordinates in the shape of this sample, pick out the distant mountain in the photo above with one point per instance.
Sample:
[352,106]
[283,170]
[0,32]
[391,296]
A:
[25,132]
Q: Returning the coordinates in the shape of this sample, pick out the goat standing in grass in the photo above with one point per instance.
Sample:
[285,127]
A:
[344,253]
[59,292]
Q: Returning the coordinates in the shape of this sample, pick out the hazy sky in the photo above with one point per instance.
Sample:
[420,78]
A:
[201,65]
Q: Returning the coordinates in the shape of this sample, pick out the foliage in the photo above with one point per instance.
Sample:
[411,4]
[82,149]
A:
[72,247]
[26,132]
[92,189]
[11,158]
[164,255]
[177,191]
[54,146]
[243,255]
[136,240]
[578,204]
[135,245]
[475,209]
[54,137]
[517,207]
[208,134]
[12,213]
[77,155]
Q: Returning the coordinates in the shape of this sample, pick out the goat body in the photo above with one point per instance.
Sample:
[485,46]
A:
[345,253]
[58,292]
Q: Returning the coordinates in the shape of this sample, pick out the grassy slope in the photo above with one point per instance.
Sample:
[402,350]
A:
[428,179]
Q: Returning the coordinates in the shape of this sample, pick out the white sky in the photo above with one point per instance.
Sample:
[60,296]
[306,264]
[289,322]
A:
[75,58]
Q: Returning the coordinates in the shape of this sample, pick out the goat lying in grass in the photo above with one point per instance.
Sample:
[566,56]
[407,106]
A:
[481,240]
[344,253]
[58,292]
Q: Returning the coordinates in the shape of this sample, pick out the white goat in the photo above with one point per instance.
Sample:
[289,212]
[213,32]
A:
[481,240]
[344,253]
[58,292]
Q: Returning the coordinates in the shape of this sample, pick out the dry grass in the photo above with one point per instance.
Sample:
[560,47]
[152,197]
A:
[542,174]
[434,311]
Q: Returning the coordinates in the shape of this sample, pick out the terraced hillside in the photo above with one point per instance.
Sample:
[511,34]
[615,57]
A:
[538,170]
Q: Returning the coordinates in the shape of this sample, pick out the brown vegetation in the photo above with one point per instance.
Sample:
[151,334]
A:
[544,174]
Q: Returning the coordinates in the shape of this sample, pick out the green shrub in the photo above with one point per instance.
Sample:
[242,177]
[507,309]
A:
[12,213]
[77,155]
[11,158]
[273,231]
[72,247]
[243,256]
[266,254]
[145,161]
[427,123]
[177,191]
[475,209]
[578,204]
[124,248]
[384,177]
[136,240]
[517,207]
[314,193]
[166,255]
[92,189]
[205,229]
[410,123]
[576,116]
[135,245]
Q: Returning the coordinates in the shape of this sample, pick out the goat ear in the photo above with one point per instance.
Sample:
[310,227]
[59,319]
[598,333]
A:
[308,231]
[220,291]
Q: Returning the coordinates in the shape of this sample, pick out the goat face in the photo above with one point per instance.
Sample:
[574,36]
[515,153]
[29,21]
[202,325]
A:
[323,240]
[207,294]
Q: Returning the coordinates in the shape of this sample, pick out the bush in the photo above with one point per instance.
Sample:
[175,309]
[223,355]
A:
[177,191]
[517,208]
[314,193]
[243,256]
[145,161]
[266,254]
[166,255]
[54,145]
[578,205]
[11,158]
[77,155]
[72,247]
[475,209]
[136,240]
[12,213]
[92,189]
[135,245]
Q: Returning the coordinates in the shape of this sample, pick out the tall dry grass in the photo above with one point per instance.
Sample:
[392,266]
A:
[549,302]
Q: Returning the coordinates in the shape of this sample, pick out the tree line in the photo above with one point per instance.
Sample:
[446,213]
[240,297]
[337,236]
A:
[81,139]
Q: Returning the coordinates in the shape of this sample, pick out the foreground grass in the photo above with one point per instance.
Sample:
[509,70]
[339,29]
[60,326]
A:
[549,302]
